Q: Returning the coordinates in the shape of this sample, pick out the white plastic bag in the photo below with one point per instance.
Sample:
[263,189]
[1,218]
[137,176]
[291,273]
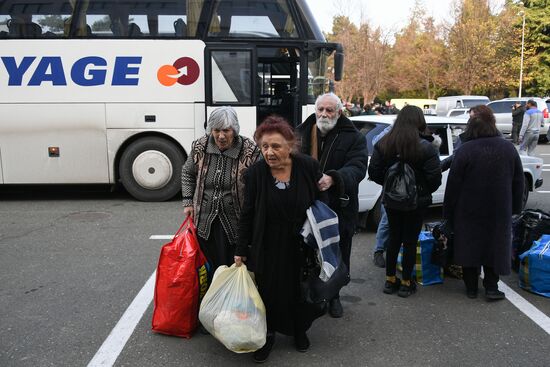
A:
[233,311]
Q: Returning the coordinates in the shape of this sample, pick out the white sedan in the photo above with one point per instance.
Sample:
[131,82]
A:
[448,129]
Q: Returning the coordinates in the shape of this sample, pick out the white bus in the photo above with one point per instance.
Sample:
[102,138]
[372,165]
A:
[96,91]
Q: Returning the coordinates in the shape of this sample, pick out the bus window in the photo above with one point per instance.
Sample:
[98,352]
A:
[267,18]
[231,81]
[317,68]
[37,20]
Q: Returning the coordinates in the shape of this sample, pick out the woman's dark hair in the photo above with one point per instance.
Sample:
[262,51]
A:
[403,139]
[482,124]
[275,124]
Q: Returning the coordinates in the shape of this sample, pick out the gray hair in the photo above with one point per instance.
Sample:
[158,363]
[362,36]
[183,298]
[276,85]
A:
[224,117]
[339,105]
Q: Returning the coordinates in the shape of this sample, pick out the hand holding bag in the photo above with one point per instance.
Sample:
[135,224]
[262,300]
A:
[233,311]
[178,284]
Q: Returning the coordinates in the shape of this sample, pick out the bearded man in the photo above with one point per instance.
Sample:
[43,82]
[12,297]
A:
[332,139]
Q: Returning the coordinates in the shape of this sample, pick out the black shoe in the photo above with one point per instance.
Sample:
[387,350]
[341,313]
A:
[261,355]
[335,308]
[392,287]
[471,293]
[494,295]
[407,290]
[378,259]
[301,342]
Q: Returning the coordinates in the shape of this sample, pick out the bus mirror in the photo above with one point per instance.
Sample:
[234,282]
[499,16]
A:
[338,63]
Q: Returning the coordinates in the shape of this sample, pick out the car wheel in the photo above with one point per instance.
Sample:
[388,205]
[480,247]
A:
[375,214]
[150,169]
[543,138]
[526,191]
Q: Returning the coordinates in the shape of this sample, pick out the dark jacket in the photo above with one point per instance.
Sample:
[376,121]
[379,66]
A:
[427,171]
[252,223]
[484,189]
[344,157]
[517,115]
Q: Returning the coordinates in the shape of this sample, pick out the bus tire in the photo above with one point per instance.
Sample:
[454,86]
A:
[150,169]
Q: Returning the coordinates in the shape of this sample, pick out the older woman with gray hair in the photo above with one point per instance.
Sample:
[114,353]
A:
[212,187]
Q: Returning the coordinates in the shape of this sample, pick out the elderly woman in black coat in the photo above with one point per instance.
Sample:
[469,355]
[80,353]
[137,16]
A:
[484,189]
[278,191]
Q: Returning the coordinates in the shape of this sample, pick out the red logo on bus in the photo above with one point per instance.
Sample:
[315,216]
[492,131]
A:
[184,71]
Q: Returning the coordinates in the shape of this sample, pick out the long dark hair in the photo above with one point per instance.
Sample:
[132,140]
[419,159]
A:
[482,123]
[403,139]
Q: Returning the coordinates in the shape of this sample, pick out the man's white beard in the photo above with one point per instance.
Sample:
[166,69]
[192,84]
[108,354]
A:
[326,124]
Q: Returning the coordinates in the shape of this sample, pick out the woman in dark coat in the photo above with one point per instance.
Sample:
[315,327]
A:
[405,143]
[278,191]
[484,189]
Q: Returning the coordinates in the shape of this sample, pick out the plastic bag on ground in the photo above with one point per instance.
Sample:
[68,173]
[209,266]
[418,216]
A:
[233,311]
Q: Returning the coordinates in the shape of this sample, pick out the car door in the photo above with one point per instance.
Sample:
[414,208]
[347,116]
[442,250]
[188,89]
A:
[369,191]
[448,139]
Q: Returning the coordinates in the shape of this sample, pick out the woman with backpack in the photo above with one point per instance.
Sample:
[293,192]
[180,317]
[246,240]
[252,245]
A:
[407,166]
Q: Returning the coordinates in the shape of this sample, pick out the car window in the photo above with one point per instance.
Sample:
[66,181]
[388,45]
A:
[456,113]
[456,130]
[369,130]
[441,132]
[501,107]
[473,102]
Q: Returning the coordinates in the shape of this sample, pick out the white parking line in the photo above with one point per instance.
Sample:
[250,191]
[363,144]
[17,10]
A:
[161,237]
[544,154]
[117,339]
[527,308]
[543,192]
[545,170]
[111,348]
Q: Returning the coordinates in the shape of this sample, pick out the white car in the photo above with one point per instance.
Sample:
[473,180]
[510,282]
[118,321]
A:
[502,109]
[448,129]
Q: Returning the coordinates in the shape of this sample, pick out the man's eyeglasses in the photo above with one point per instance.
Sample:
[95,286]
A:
[328,109]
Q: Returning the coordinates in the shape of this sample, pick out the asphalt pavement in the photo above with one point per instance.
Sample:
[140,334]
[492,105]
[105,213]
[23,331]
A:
[73,259]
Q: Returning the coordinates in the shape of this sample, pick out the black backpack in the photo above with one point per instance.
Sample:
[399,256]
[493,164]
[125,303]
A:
[400,192]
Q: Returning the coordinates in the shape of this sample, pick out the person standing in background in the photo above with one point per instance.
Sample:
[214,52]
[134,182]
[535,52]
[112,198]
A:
[517,118]
[332,139]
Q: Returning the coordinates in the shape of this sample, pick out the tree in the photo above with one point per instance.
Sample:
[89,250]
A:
[364,67]
[418,56]
[471,46]
[537,48]
[101,25]
[52,23]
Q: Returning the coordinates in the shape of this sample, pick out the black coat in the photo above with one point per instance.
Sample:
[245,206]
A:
[484,189]
[427,170]
[344,157]
[252,224]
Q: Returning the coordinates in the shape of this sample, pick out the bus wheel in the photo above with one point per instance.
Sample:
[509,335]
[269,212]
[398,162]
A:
[150,169]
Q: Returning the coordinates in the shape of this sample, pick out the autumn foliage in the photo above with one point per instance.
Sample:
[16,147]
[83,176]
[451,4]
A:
[477,53]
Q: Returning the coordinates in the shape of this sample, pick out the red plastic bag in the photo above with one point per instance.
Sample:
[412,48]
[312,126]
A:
[179,284]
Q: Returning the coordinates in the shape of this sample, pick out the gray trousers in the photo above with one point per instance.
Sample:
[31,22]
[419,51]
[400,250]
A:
[529,143]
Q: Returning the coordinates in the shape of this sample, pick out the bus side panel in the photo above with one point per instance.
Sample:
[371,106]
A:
[150,116]
[307,110]
[246,116]
[117,137]
[200,120]
[28,131]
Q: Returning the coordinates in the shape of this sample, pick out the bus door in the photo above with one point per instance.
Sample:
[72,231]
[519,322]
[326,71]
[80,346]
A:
[230,81]
[278,83]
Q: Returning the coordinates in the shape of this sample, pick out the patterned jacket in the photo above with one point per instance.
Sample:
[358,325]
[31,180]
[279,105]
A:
[212,183]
